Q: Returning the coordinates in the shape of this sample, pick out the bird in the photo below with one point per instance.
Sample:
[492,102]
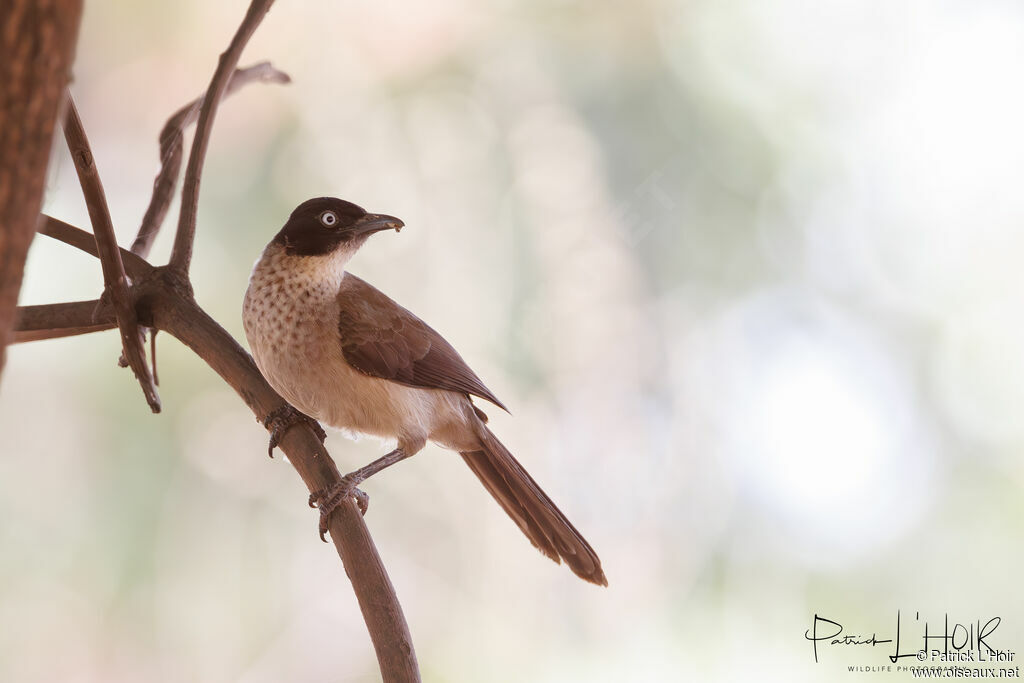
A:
[343,353]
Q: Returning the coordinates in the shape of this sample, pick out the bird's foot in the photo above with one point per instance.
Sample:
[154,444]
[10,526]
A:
[280,420]
[328,499]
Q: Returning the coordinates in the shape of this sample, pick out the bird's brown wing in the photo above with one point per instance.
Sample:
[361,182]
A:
[381,339]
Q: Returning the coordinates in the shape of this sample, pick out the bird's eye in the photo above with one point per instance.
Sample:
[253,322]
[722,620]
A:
[329,219]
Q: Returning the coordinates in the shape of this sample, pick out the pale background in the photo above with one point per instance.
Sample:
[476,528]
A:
[747,275]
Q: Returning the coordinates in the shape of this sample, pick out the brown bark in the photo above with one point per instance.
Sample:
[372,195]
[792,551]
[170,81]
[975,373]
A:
[181,251]
[161,298]
[174,311]
[37,46]
[51,321]
[114,277]
[172,143]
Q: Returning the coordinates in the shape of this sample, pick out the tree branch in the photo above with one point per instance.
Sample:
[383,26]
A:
[51,321]
[172,142]
[110,256]
[80,239]
[181,253]
[163,299]
[178,314]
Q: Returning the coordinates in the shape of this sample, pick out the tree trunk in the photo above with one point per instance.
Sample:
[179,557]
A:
[37,46]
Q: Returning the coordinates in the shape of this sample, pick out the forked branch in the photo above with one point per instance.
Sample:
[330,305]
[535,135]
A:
[114,276]
[138,294]
[181,253]
[172,142]
[161,298]
[183,318]
[52,321]
[164,301]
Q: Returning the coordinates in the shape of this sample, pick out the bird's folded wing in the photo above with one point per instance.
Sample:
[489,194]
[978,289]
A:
[382,339]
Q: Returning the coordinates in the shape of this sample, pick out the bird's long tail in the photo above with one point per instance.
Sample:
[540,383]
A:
[531,509]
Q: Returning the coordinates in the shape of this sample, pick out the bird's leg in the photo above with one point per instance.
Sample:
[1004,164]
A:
[383,462]
[328,499]
[280,420]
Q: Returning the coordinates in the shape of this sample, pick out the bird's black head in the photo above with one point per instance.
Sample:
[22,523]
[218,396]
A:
[319,226]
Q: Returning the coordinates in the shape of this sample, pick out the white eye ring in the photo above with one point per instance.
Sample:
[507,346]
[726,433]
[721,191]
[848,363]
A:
[329,219]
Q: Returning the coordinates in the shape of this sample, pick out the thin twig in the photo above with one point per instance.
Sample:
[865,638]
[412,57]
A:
[172,141]
[51,321]
[181,252]
[80,239]
[114,276]
[152,357]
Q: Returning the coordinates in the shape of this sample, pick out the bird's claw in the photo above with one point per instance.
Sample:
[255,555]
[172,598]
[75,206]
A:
[280,420]
[362,500]
[329,499]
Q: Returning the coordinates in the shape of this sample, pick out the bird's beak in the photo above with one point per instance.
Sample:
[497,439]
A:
[375,222]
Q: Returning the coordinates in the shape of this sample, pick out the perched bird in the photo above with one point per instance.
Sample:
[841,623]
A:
[343,353]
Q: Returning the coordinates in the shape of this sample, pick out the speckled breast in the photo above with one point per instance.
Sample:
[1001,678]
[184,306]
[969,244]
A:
[287,317]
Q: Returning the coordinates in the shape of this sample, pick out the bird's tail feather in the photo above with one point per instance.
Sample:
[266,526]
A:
[531,509]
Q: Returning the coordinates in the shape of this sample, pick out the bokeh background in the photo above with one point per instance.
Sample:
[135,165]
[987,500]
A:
[747,274]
